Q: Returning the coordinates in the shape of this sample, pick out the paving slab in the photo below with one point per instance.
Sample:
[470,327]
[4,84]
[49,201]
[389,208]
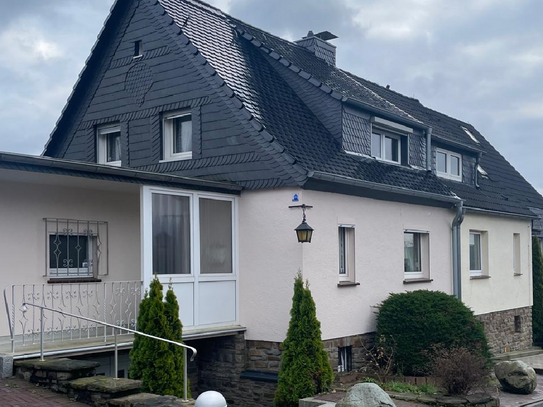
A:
[19,393]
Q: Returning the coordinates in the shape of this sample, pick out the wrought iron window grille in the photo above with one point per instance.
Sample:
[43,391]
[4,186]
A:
[76,248]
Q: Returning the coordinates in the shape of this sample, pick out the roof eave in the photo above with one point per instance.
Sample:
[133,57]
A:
[323,176]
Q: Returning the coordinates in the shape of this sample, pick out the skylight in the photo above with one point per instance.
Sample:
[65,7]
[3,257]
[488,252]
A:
[482,171]
[469,133]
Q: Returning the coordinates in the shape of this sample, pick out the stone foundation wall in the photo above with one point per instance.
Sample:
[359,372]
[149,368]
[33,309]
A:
[360,344]
[501,332]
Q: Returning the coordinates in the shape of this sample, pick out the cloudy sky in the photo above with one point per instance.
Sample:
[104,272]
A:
[477,60]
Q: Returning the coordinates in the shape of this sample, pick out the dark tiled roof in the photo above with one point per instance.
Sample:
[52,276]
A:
[277,107]
[505,190]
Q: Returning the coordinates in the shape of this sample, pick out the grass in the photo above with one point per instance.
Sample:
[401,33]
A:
[400,387]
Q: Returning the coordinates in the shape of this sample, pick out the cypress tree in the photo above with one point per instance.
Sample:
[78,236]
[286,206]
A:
[172,316]
[537,276]
[305,370]
[152,361]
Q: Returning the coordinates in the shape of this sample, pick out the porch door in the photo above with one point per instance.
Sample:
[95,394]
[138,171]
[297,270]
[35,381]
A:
[189,241]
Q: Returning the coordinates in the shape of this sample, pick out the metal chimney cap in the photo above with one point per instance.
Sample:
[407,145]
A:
[210,399]
[326,36]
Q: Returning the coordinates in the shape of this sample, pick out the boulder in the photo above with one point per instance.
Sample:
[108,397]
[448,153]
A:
[366,395]
[516,377]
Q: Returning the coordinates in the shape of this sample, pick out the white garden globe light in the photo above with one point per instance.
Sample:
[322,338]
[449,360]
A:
[210,399]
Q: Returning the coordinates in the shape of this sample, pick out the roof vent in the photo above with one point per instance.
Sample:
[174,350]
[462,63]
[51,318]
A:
[318,44]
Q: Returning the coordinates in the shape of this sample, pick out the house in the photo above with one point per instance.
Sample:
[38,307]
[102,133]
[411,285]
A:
[402,197]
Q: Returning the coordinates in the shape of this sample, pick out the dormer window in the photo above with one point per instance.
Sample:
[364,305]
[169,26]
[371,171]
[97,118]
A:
[109,145]
[386,147]
[449,165]
[177,136]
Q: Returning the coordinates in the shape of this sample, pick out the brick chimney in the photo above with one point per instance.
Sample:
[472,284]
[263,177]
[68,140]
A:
[318,44]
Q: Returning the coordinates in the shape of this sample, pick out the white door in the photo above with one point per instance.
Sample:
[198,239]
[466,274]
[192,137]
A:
[190,242]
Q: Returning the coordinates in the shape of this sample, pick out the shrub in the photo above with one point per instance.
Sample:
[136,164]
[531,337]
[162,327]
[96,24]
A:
[305,370]
[459,369]
[154,362]
[421,320]
[537,276]
[380,358]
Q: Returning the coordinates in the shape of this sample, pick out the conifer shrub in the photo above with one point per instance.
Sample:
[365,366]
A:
[159,365]
[537,276]
[422,320]
[305,370]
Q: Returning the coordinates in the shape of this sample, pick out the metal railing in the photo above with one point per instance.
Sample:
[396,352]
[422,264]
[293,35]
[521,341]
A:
[115,328]
[113,302]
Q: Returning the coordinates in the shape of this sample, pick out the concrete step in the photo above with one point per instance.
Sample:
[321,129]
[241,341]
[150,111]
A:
[99,390]
[149,400]
[518,354]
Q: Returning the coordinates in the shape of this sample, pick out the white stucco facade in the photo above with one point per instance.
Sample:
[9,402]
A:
[270,258]
[504,288]
[27,198]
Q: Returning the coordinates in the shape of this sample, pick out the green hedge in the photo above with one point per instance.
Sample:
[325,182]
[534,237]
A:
[417,321]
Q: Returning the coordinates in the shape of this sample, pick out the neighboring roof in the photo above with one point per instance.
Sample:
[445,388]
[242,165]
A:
[47,165]
[269,98]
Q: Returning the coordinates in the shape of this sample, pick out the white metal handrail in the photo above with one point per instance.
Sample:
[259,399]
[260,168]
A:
[115,327]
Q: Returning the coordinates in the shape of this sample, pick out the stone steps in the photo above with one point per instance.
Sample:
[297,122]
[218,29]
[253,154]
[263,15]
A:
[77,379]
[149,400]
[100,390]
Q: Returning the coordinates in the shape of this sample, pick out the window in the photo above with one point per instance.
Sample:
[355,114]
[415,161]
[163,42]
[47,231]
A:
[177,140]
[138,49]
[516,254]
[346,253]
[385,147]
[345,359]
[171,234]
[449,165]
[75,248]
[215,236]
[470,134]
[109,145]
[475,253]
[416,251]
[518,324]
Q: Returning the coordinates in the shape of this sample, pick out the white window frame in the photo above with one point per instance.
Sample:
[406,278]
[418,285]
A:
[424,255]
[72,272]
[517,265]
[167,136]
[447,174]
[349,252]
[383,136]
[481,251]
[195,276]
[102,133]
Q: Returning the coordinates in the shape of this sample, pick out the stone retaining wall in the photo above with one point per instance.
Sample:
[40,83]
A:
[501,332]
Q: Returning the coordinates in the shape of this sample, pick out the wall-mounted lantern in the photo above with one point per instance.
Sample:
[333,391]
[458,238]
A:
[304,232]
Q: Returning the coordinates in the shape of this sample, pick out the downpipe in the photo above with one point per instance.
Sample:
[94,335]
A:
[456,250]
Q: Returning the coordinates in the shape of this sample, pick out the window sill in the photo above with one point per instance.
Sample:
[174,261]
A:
[418,280]
[517,274]
[74,280]
[483,277]
[347,284]
[178,158]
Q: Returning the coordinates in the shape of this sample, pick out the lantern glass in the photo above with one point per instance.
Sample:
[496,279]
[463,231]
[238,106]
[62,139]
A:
[304,232]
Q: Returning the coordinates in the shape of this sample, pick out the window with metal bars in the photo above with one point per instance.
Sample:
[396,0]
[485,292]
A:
[345,359]
[76,248]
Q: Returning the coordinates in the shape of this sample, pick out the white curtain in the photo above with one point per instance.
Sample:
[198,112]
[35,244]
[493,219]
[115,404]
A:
[182,135]
[171,234]
[215,236]
[412,253]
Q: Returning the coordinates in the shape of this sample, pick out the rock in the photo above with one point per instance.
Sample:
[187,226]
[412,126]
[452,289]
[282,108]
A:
[516,377]
[366,395]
